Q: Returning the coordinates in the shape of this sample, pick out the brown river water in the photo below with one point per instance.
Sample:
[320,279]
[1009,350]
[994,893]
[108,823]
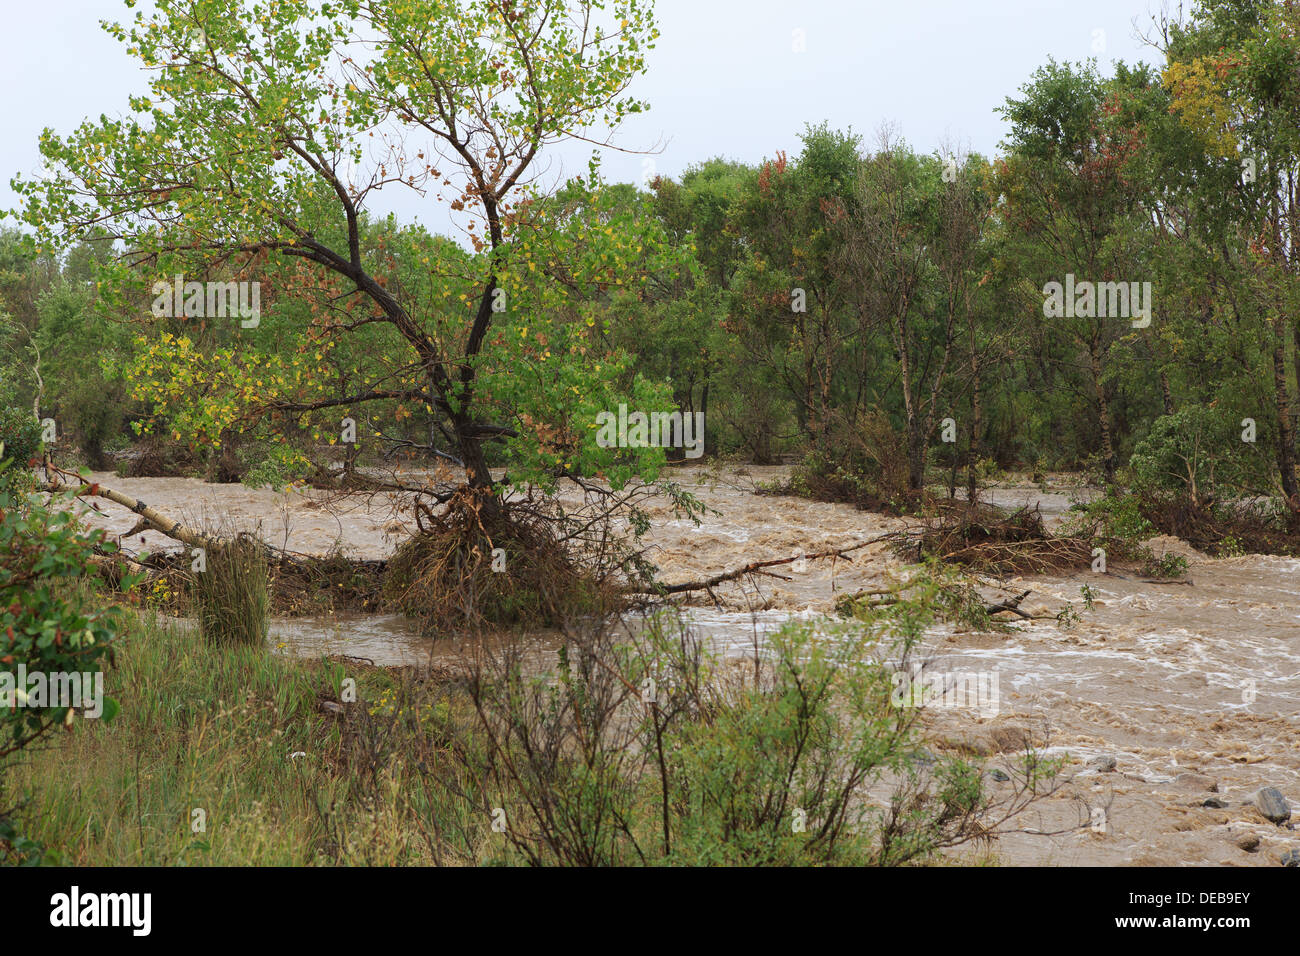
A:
[1199,679]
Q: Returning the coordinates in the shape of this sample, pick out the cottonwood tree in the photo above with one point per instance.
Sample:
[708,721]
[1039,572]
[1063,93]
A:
[269,128]
[906,267]
[789,315]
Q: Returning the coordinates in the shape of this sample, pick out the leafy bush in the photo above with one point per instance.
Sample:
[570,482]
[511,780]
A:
[1230,547]
[41,552]
[989,471]
[278,466]
[1197,454]
[864,462]
[20,850]
[651,749]
[1114,521]
[1168,565]
[20,442]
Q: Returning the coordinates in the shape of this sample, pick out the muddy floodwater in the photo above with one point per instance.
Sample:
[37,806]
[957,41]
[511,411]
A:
[1192,688]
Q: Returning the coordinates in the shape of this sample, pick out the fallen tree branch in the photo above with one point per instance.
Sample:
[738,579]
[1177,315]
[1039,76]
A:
[158,521]
[1012,605]
[889,597]
[758,567]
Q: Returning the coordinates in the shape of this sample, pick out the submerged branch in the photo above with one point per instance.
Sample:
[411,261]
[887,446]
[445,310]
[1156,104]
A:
[759,567]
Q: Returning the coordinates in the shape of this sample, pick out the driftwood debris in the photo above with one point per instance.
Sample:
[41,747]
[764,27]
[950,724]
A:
[295,576]
[986,538]
[1013,605]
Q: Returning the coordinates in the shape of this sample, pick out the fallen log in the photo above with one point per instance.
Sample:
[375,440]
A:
[152,518]
[760,567]
[294,579]
[156,520]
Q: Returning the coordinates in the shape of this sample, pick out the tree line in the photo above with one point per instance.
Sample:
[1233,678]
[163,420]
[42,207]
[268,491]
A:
[864,307]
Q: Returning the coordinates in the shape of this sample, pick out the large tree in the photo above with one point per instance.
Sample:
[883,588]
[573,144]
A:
[1233,85]
[1070,196]
[269,128]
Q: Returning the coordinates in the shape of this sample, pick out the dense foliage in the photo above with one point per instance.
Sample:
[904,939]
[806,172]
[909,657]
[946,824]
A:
[873,310]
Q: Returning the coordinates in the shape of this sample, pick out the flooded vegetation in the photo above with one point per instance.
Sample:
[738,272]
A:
[852,503]
[1189,686]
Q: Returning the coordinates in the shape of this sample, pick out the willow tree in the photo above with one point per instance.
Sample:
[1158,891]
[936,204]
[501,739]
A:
[270,127]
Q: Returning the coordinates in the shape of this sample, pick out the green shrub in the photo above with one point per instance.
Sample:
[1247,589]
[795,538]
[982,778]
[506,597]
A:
[41,627]
[653,749]
[1168,565]
[1231,547]
[276,467]
[20,443]
[1114,521]
[1197,454]
[864,462]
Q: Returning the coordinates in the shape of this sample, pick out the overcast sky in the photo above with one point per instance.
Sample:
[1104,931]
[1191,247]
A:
[725,79]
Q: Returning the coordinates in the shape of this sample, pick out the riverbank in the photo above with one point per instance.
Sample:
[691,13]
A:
[1192,688]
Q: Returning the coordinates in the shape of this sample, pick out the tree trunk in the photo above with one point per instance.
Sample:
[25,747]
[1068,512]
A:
[470,446]
[1103,406]
[916,453]
[977,422]
[704,410]
[1286,457]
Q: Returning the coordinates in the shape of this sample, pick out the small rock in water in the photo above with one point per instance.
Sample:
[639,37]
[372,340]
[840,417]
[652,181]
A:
[1214,803]
[999,776]
[1102,764]
[1291,858]
[1196,781]
[1249,842]
[1273,805]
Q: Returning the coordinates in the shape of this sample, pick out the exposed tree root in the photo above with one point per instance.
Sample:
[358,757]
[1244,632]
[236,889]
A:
[504,565]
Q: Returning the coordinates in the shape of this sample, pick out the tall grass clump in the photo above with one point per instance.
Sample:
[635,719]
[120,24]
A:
[230,593]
